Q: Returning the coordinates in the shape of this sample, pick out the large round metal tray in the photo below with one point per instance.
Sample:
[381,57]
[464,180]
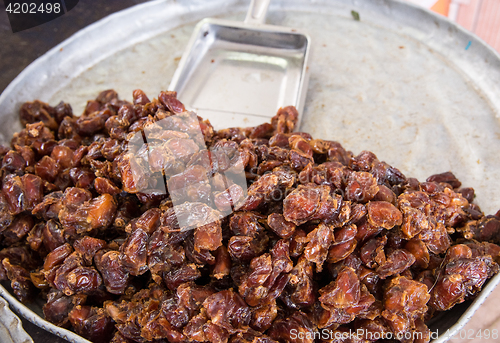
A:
[416,89]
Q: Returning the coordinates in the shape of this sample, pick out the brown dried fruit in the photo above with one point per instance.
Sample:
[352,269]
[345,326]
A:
[130,220]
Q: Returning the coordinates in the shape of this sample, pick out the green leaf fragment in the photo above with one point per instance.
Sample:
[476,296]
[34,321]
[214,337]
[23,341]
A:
[355,15]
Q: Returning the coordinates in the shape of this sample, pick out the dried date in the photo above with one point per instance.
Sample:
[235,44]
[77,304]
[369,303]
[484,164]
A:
[130,221]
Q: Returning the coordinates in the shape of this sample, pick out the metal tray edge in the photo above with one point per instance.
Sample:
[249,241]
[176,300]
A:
[39,321]
[12,329]
[466,316]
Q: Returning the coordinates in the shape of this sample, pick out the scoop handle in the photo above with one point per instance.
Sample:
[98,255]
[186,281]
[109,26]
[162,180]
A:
[257,12]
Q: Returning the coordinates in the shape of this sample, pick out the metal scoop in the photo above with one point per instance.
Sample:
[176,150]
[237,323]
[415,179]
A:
[240,73]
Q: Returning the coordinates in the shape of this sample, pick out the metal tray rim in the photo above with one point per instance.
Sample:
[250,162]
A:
[12,330]
[464,318]
[34,318]
[75,37]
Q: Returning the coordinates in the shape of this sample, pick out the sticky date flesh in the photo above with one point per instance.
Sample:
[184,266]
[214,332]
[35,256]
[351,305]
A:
[323,238]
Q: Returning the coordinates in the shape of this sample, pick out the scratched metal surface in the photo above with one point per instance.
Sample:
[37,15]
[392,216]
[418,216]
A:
[401,82]
[11,330]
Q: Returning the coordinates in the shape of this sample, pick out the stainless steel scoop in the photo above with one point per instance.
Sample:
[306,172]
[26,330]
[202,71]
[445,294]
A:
[240,73]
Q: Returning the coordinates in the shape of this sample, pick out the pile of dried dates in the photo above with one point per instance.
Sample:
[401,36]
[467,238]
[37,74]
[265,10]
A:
[312,243]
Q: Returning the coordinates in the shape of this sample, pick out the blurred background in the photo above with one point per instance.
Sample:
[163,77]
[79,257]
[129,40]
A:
[479,16]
